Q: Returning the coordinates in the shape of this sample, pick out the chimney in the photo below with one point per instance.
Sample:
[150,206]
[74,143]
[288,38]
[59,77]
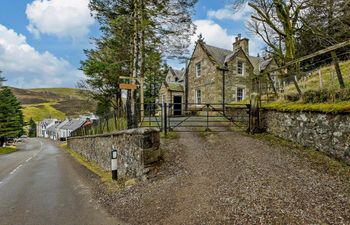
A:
[241,43]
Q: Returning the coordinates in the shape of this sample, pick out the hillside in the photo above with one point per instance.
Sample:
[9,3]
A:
[53,102]
[329,79]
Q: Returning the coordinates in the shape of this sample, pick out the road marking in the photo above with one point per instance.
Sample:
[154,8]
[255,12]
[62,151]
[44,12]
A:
[29,159]
[13,171]
[23,162]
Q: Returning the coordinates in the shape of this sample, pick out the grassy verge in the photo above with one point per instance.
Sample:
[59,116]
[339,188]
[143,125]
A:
[317,158]
[7,150]
[105,176]
[298,106]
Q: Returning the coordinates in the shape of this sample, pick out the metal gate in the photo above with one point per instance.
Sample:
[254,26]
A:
[178,117]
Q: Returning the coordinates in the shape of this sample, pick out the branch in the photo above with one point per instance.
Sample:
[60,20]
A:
[266,19]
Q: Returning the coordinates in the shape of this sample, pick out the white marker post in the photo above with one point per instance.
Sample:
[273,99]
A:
[114,164]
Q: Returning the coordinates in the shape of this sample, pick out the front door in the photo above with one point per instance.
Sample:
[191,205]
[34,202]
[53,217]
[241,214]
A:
[177,105]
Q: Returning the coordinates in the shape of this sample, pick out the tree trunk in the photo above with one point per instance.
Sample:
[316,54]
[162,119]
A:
[133,97]
[337,69]
[272,84]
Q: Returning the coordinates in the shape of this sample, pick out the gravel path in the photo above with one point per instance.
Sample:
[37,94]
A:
[229,178]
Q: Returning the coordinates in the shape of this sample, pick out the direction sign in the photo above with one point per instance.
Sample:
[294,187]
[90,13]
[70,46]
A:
[127,86]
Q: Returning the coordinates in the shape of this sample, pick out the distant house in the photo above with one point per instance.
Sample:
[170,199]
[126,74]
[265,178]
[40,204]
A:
[70,126]
[58,131]
[51,131]
[44,125]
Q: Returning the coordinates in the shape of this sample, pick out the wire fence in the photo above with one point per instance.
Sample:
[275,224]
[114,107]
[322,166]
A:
[318,79]
[111,122]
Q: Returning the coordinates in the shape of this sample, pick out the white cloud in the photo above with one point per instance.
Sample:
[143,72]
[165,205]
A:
[242,14]
[62,18]
[217,36]
[23,66]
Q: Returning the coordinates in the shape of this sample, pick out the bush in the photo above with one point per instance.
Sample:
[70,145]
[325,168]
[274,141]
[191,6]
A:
[291,97]
[316,96]
[343,94]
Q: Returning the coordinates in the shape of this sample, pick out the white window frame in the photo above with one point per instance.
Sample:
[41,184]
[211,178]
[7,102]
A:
[198,68]
[196,96]
[243,67]
[243,93]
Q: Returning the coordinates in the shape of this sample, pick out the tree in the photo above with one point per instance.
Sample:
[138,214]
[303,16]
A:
[325,23]
[32,128]
[277,23]
[11,117]
[139,33]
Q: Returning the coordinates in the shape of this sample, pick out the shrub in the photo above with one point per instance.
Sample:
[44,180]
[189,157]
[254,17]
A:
[343,94]
[291,97]
[316,96]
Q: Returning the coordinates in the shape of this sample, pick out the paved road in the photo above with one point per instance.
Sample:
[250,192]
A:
[40,184]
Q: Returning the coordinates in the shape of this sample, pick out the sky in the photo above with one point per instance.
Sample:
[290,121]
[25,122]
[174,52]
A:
[42,41]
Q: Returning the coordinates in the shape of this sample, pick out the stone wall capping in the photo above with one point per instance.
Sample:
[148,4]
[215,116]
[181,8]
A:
[308,111]
[142,130]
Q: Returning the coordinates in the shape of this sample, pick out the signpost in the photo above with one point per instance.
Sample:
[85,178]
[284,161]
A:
[127,86]
[133,87]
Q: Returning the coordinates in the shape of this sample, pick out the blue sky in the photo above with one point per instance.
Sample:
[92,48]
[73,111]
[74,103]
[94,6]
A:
[42,41]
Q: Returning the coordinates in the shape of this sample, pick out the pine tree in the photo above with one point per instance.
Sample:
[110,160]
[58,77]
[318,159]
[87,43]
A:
[32,128]
[11,117]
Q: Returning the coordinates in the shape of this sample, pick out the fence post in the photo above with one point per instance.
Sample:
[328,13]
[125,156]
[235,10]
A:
[165,106]
[207,129]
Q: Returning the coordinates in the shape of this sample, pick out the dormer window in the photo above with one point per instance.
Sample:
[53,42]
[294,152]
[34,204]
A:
[240,68]
[198,69]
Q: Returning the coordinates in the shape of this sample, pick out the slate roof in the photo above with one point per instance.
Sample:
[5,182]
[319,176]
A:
[264,64]
[73,124]
[52,128]
[179,73]
[221,56]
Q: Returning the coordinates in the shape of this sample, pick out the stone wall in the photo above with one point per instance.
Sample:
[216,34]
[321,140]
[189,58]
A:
[328,133]
[137,148]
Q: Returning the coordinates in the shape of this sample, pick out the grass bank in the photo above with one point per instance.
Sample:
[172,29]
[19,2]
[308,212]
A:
[105,176]
[7,150]
[316,107]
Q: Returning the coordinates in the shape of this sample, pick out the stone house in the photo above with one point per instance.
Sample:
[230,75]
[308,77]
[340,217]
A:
[172,90]
[217,75]
[214,75]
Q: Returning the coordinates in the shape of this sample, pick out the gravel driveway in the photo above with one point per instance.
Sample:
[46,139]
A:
[230,178]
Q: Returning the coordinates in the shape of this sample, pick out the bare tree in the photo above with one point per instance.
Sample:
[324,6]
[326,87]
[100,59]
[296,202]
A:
[277,23]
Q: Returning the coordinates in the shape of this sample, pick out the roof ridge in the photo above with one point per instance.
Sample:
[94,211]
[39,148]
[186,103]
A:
[218,47]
